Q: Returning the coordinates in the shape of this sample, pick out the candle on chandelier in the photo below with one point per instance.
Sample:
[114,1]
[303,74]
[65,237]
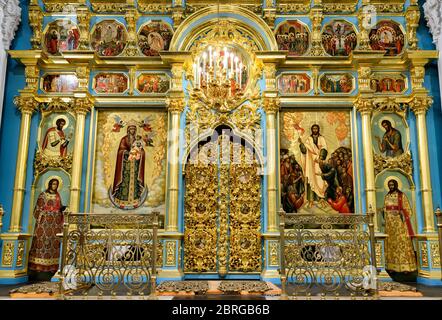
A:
[195,73]
[236,69]
[210,56]
[231,64]
[240,74]
[215,58]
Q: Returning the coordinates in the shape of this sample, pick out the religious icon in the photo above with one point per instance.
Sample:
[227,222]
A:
[391,142]
[153,83]
[59,83]
[339,38]
[55,142]
[312,178]
[394,83]
[336,83]
[387,35]
[293,36]
[289,84]
[61,35]
[129,189]
[109,38]
[110,83]
[399,251]
[154,37]
[48,212]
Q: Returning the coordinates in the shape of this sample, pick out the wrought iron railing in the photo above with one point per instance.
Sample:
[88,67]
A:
[330,255]
[108,255]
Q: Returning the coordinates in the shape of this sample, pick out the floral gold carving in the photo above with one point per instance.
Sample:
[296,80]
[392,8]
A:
[435,257]
[20,253]
[8,253]
[170,253]
[402,162]
[424,254]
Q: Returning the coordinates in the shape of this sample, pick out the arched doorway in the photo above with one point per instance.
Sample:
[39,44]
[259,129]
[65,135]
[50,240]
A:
[222,215]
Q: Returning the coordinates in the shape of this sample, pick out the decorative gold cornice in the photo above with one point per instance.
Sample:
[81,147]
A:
[420,104]
[26,104]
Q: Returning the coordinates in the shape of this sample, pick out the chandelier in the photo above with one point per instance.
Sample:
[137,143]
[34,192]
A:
[219,76]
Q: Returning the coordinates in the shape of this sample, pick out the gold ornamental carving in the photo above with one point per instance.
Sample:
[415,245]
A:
[290,6]
[435,257]
[390,104]
[316,17]
[200,232]
[412,17]
[417,77]
[364,77]
[424,254]
[20,253]
[26,105]
[273,254]
[32,74]
[379,254]
[132,46]
[420,105]
[83,19]
[403,162]
[82,105]
[8,253]
[170,253]
[271,105]
[364,105]
[36,23]
[175,105]
[340,7]
[222,209]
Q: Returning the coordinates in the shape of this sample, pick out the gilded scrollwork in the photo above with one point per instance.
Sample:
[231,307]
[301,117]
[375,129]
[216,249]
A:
[424,254]
[316,15]
[403,162]
[36,23]
[412,17]
[20,253]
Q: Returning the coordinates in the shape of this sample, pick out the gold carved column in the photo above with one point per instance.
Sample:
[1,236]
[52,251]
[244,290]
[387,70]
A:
[81,106]
[175,106]
[271,105]
[419,105]
[27,105]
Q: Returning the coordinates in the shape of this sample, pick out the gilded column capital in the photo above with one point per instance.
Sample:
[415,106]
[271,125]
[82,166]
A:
[420,105]
[412,16]
[36,23]
[364,105]
[82,105]
[26,105]
[175,105]
[271,105]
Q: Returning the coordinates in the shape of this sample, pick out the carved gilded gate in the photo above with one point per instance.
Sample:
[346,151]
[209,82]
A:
[222,209]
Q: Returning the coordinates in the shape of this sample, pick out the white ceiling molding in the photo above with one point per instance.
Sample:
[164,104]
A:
[10,17]
[433,15]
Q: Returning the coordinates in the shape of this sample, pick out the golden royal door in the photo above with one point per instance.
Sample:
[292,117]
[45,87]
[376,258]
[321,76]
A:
[222,210]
